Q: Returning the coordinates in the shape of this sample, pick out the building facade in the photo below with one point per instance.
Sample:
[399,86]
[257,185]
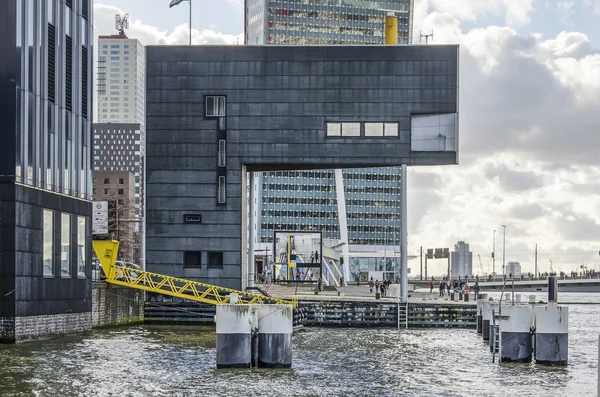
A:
[291,200]
[118,189]
[309,22]
[513,269]
[461,260]
[216,113]
[45,179]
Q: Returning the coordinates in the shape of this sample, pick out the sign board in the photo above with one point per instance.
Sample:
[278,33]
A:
[100,218]
[439,253]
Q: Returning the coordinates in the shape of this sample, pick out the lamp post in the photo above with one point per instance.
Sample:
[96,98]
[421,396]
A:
[494,255]
[503,249]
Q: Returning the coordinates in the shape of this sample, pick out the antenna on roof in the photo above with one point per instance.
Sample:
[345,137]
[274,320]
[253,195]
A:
[427,36]
[121,23]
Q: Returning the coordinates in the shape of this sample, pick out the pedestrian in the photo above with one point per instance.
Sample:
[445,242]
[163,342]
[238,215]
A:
[316,256]
[431,286]
[371,283]
[297,274]
[312,257]
[320,284]
[377,286]
[476,289]
[449,288]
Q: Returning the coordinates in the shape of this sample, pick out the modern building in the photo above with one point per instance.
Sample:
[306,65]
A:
[121,79]
[514,269]
[218,114]
[120,147]
[118,189]
[45,177]
[461,260]
[309,22]
[303,200]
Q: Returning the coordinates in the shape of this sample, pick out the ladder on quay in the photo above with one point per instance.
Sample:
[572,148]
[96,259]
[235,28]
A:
[106,251]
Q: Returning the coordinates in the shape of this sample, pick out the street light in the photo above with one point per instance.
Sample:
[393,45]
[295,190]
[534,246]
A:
[494,255]
[503,249]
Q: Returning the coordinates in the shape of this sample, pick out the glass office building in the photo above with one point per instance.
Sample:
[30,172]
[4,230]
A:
[308,200]
[308,22]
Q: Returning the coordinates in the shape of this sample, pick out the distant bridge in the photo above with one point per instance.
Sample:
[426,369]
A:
[566,285]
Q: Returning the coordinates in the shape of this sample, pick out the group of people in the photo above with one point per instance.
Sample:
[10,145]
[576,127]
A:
[460,286]
[314,257]
[381,287]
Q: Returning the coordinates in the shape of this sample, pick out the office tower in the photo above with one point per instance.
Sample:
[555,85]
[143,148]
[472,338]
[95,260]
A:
[325,22]
[461,260]
[120,134]
[307,200]
[45,184]
[513,269]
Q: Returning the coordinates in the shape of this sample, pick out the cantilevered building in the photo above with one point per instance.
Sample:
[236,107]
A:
[45,179]
[308,200]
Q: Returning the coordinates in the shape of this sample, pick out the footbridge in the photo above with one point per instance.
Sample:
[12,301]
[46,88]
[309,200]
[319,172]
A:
[564,285]
[173,286]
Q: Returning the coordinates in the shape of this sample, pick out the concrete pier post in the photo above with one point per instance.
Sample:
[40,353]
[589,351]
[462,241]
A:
[551,335]
[480,315]
[403,236]
[515,334]
[275,336]
[234,333]
[251,232]
[488,308]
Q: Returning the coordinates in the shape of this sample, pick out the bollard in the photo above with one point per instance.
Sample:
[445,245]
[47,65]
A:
[466,297]
[551,335]
[487,319]
[452,296]
[531,298]
[515,334]
[234,333]
[377,295]
[479,316]
[275,336]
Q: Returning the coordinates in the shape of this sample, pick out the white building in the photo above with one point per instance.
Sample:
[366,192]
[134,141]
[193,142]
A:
[513,268]
[121,80]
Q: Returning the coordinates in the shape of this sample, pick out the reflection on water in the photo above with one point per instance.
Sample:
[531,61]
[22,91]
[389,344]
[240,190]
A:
[172,361]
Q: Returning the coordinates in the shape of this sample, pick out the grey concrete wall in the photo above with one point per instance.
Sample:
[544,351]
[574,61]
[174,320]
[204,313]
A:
[279,100]
[115,305]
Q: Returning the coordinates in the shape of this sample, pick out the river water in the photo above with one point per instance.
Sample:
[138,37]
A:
[180,361]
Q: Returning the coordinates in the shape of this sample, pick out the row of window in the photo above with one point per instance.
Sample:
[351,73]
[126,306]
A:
[351,129]
[193,259]
[109,191]
[66,245]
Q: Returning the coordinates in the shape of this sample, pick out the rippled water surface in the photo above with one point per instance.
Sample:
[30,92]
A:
[180,361]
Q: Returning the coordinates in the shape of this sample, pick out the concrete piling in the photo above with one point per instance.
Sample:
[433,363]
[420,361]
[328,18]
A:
[552,335]
[234,334]
[515,334]
[275,336]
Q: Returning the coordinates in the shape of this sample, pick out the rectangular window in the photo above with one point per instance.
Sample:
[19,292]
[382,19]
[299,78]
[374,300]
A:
[215,106]
[373,129]
[192,218]
[48,237]
[106,181]
[51,62]
[191,259]
[84,9]
[68,74]
[350,129]
[120,191]
[215,260]
[84,82]
[222,153]
[81,251]
[65,245]
[334,129]
[106,191]
[390,129]
[222,191]
[121,181]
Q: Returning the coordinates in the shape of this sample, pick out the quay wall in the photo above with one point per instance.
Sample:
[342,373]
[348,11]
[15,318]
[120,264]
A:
[116,305]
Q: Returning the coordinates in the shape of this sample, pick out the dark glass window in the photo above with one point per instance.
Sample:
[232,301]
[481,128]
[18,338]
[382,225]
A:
[84,82]
[69,74]
[191,259]
[215,259]
[51,62]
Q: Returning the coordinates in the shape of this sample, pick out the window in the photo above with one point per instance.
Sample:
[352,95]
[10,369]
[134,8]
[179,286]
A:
[215,260]
[48,248]
[192,218]
[121,181]
[106,181]
[390,129]
[373,129]
[334,129]
[120,191]
[191,259]
[350,129]
[68,73]
[65,245]
[81,239]
[215,106]
[222,191]
[106,191]
[222,155]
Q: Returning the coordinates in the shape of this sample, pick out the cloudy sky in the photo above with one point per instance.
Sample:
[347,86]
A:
[530,122]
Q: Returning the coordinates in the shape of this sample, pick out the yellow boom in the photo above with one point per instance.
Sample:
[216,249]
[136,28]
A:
[173,286]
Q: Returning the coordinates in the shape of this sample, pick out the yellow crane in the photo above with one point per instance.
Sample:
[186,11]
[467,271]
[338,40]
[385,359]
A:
[106,251]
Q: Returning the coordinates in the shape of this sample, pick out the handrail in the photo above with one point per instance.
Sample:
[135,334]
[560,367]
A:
[173,286]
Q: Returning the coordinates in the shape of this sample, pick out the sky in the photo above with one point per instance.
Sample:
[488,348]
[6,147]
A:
[529,123]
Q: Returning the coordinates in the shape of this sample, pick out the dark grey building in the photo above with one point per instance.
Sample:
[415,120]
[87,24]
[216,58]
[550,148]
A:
[45,180]
[461,260]
[214,113]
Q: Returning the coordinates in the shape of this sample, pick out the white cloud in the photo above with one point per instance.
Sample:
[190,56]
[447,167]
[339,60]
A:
[594,4]
[515,12]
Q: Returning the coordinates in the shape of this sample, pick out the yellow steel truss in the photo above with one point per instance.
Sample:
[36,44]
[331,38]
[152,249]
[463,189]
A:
[173,286]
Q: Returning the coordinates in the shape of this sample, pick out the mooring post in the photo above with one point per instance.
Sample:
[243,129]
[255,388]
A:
[598,365]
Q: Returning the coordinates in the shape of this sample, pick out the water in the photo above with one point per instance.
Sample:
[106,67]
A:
[180,360]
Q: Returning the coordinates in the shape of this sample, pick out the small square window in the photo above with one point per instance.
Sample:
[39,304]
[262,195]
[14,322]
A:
[215,260]
[334,129]
[121,191]
[121,181]
[106,191]
[373,129]
[106,181]
[191,259]
[215,106]
[390,129]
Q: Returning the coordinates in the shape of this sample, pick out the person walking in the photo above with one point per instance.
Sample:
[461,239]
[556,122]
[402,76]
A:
[431,285]
[476,289]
